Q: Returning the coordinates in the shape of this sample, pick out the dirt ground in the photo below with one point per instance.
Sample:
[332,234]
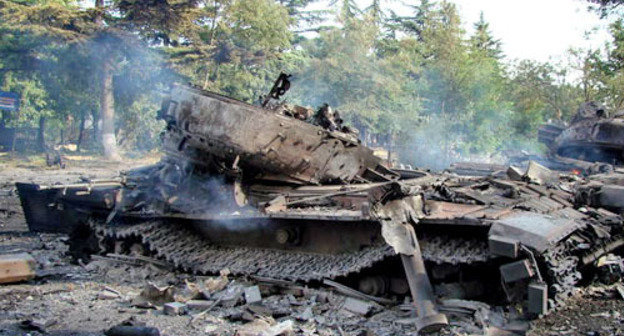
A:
[89,299]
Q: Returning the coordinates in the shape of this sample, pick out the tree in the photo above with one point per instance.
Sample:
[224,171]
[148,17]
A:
[108,30]
[423,16]
[606,7]
[482,40]
[612,68]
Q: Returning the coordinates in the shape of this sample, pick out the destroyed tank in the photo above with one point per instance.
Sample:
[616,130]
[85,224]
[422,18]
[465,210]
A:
[592,136]
[274,192]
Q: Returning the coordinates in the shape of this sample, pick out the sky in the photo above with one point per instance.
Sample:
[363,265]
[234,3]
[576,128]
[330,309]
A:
[537,29]
[541,30]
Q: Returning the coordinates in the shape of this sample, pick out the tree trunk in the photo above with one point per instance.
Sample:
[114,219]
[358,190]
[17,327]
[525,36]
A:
[99,4]
[13,139]
[81,132]
[41,135]
[96,125]
[107,112]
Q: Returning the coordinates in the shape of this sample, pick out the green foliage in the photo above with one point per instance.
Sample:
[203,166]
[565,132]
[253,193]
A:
[140,115]
[482,42]
[34,102]
[416,82]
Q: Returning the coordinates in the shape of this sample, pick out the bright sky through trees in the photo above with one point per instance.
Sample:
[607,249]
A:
[528,29]
[537,29]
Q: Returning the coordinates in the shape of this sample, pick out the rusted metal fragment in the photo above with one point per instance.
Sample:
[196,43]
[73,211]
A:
[449,210]
[398,235]
[514,173]
[475,168]
[539,174]
[396,217]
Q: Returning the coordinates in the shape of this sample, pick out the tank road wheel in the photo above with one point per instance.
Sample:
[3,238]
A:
[374,285]
[83,242]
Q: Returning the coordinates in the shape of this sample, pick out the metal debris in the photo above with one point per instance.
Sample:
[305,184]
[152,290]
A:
[174,308]
[252,294]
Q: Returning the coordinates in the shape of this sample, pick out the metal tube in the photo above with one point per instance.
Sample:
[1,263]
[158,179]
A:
[429,319]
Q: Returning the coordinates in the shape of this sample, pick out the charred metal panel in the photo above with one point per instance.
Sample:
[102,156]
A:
[503,246]
[518,270]
[39,209]
[538,298]
[59,210]
[537,231]
[318,236]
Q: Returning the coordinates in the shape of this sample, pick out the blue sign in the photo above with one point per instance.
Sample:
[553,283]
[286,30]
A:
[9,101]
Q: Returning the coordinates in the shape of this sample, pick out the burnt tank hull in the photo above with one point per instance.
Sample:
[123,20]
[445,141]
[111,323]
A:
[593,141]
[592,136]
[483,230]
[264,194]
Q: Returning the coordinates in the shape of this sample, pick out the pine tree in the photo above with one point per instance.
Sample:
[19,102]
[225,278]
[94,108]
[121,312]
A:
[482,40]
[423,16]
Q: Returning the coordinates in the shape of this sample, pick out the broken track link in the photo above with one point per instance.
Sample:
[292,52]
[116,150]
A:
[563,274]
[190,252]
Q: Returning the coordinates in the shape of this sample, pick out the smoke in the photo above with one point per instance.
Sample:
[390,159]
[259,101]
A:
[70,77]
[424,133]
[441,141]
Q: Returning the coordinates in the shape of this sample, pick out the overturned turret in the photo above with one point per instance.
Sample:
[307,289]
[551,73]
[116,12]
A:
[210,129]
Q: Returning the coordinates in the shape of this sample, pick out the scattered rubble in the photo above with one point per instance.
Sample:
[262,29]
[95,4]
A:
[152,295]
[358,306]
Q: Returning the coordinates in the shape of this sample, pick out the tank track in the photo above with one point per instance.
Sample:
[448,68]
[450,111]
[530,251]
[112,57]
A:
[563,273]
[440,249]
[189,252]
[564,262]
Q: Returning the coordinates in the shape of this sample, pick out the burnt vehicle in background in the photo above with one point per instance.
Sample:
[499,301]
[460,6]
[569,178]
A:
[593,136]
[284,192]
